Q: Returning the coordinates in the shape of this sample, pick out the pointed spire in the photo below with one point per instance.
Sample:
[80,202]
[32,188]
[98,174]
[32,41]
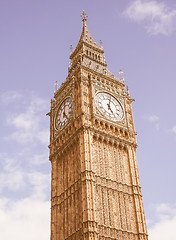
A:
[86,36]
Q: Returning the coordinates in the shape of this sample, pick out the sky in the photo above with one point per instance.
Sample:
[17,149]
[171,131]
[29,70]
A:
[138,37]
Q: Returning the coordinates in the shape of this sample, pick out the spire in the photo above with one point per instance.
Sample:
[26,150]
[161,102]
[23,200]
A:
[85,35]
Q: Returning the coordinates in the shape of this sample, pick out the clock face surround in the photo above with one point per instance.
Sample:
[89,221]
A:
[109,106]
[64,113]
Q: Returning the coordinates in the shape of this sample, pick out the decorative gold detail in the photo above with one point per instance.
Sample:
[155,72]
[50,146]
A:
[84,16]
[71,49]
[101,44]
[56,84]
[121,72]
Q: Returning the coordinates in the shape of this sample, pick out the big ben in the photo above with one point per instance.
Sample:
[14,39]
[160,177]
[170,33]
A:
[95,186]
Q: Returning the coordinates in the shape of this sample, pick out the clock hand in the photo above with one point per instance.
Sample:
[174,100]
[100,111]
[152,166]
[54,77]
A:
[109,107]
[111,111]
[64,115]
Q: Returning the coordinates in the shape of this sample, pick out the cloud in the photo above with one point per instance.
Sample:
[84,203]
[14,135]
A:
[12,181]
[154,119]
[26,214]
[28,124]
[38,159]
[164,228]
[158,18]
[174,129]
[26,217]
[28,127]
[40,184]
[10,96]
[11,178]
[23,180]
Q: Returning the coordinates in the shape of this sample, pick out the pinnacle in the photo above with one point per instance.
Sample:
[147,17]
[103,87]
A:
[86,36]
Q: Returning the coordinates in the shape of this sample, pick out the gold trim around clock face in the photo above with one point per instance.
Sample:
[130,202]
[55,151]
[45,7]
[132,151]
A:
[109,106]
[64,113]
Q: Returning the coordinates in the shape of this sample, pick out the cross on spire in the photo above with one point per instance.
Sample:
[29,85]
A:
[84,16]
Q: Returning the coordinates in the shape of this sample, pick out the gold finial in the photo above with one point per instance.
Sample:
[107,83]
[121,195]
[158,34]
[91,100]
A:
[71,49]
[128,92]
[121,72]
[84,16]
[101,44]
[56,84]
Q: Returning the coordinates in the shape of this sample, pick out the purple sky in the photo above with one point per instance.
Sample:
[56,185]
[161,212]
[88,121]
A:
[139,37]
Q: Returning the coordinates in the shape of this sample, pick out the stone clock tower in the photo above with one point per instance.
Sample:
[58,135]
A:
[95,187]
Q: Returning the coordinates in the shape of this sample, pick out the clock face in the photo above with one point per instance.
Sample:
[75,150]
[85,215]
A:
[109,106]
[64,113]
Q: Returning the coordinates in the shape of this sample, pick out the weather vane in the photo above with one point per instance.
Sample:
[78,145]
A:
[84,16]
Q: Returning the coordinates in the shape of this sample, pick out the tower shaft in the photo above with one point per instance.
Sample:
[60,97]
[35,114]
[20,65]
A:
[95,187]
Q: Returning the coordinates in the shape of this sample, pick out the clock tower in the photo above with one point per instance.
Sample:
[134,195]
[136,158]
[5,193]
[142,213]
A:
[95,187]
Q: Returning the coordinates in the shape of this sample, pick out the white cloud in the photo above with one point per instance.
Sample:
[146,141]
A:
[16,178]
[153,119]
[159,18]
[25,216]
[12,181]
[40,184]
[174,129]
[10,96]
[37,183]
[39,159]
[24,219]
[28,124]
[11,178]
[164,228]
[24,185]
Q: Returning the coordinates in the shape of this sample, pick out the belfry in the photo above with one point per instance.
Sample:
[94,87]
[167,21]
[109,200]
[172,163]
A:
[95,187]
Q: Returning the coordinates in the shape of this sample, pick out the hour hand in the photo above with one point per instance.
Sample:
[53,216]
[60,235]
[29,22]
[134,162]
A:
[64,115]
[109,107]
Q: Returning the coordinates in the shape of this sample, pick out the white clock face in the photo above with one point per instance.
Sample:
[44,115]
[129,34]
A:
[109,106]
[64,113]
